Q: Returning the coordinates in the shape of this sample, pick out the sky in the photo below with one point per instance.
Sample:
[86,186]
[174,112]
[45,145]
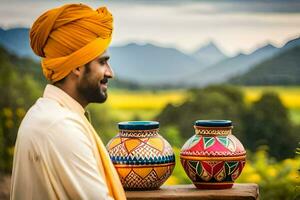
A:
[234,25]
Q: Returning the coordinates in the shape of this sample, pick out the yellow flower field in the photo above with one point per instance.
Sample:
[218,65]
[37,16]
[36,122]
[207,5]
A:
[290,96]
[147,104]
[145,100]
[122,99]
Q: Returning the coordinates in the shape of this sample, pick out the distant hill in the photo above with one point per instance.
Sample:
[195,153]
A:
[16,40]
[283,69]
[238,65]
[209,54]
[155,66]
[146,64]
[292,43]
[21,65]
[227,68]
[151,65]
[31,67]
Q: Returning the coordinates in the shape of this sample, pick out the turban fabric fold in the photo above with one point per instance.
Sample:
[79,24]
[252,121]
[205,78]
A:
[69,37]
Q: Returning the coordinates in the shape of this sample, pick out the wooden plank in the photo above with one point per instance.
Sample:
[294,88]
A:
[189,192]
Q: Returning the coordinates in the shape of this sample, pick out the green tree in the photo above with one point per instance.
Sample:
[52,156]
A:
[18,92]
[214,102]
[268,123]
[103,122]
[172,135]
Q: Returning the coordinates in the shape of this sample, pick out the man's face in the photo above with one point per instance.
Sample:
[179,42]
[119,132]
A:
[93,83]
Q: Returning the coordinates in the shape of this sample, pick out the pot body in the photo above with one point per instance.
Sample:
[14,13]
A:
[143,159]
[213,158]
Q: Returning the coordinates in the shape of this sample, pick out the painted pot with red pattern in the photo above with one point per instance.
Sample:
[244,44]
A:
[213,158]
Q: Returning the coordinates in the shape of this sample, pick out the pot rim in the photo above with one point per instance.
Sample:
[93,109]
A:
[138,125]
[213,123]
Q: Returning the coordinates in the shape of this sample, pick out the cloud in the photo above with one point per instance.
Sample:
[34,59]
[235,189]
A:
[238,6]
[233,25]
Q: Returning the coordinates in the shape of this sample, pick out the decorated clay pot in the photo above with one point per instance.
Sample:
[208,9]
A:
[213,158]
[143,159]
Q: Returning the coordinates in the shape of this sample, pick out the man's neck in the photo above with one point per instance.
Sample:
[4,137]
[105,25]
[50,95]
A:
[71,91]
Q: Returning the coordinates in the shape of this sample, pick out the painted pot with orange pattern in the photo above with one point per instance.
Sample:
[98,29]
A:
[213,158]
[143,159]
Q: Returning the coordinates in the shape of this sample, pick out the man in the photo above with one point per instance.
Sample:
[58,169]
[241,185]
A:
[58,154]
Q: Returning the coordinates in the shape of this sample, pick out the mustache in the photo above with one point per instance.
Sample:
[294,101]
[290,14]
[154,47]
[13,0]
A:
[104,80]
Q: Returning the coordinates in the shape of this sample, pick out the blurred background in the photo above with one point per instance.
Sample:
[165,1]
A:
[176,62]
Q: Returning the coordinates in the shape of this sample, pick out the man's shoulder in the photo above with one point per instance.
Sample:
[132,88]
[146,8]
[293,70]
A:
[46,114]
[48,125]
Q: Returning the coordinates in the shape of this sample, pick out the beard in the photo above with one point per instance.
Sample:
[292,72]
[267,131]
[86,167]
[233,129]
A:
[90,89]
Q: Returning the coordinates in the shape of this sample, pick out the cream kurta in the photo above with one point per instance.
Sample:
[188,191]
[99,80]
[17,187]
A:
[54,156]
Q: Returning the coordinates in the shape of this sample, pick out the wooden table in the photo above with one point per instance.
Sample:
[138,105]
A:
[189,192]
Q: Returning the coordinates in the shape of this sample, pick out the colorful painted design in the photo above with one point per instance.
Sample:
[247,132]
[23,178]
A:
[138,133]
[200,130]
[142,161]
[216,171]
[144,177]
[214,160]
[133,151]
[199,145]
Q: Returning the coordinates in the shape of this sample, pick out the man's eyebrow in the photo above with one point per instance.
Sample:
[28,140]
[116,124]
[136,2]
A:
[104,58]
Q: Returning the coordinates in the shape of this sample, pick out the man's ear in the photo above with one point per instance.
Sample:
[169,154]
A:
[78,71]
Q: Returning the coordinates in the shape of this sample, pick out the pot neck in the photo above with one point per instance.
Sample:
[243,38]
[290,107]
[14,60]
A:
[138,133]
[213,131]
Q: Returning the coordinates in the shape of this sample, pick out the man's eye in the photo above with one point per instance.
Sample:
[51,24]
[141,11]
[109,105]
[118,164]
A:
[103,62]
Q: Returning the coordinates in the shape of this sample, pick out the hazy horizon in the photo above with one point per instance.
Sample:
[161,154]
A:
[234,26]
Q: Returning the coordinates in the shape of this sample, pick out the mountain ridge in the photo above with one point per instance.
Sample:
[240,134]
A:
[210,53]
[240,64]
[149,64]
[282,69]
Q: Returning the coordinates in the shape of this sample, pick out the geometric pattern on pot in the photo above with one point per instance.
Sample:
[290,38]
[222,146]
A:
[213,171]
[144,177]
[138,151]
[213,146]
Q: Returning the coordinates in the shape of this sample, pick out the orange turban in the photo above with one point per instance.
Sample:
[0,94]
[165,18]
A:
[70,36]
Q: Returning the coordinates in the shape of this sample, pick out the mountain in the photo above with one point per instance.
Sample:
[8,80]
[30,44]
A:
[292,43]
[28,66]
[282,69]
[144,64]
[159,66]
[22,65]
[209,54]
[152,65]
[16,41]
[240,64]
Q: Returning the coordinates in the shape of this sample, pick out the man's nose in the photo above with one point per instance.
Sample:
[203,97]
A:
[109,72]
